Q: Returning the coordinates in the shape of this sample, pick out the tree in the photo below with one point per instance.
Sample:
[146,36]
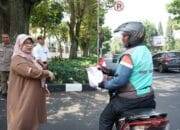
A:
[173,23]
[88,29]
[174,8]
[107,37]
[160,29]
[47,15]
[150,32]
[14,16]
[88,39]
[61,35]
[88,33]
[77,9]
[106,47]
[116,45]
[169,35]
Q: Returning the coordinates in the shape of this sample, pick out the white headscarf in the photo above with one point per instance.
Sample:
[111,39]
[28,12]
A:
[17,50]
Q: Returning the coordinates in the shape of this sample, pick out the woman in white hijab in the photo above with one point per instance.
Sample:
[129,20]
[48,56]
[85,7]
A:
[26,100]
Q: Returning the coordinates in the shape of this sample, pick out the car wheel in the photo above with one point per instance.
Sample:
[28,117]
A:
[155,69]
[161,68]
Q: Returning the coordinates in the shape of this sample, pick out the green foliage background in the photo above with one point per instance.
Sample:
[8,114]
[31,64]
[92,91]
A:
[73,70]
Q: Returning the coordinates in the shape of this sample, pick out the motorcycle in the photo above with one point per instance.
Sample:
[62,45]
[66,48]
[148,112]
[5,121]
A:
[143,119]
[140,119]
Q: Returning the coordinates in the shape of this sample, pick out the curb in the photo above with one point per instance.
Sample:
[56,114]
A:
[70,87]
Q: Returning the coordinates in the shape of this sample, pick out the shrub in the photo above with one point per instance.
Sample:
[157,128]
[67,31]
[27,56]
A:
[71,70]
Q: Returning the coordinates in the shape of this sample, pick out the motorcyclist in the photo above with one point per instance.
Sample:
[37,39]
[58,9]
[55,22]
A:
[130,86]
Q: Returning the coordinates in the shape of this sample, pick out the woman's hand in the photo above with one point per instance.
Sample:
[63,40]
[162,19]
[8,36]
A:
[51,75]
[47,91]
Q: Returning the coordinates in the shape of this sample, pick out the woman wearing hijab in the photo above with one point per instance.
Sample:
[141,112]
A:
[26,100]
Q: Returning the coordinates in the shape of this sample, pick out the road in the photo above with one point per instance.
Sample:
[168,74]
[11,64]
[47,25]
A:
[80,111]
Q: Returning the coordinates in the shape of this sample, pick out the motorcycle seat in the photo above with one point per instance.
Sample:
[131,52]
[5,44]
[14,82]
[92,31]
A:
[141,114]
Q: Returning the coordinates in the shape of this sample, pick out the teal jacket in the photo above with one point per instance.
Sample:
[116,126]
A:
[140,77]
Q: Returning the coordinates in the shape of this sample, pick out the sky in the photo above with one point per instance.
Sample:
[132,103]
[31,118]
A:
[138,10]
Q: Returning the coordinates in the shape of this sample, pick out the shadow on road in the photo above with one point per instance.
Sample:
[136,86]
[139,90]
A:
[75,111]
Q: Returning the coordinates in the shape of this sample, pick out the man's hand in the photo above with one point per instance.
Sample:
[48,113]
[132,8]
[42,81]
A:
[104,70]
[101,85]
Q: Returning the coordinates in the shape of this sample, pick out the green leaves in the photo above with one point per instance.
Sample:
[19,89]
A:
[47,15]
[170,41]
[68,71]
[88,33]
[150,32]
[174,8]
[81,28]
[160,29]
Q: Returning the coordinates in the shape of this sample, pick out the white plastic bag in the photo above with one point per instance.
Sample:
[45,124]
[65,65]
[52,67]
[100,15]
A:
[95,76]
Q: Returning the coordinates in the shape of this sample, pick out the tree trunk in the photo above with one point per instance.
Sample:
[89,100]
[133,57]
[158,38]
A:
[44,31]
[14,16]
[60,46]
[1,24]
[74,46]
[74,36]
[86,51]
[73,50]
[19,17]
[77,12]
[4,17]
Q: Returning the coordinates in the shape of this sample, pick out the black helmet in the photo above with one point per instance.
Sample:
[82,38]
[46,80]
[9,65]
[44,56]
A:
[135,30]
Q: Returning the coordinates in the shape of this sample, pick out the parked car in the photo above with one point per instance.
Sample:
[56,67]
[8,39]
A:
[166,61]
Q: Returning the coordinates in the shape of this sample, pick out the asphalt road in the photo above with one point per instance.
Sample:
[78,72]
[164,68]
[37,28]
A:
[80,111]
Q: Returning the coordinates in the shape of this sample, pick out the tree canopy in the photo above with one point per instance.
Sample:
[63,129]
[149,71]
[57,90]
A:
[174,9]
[150,31]
[47,15]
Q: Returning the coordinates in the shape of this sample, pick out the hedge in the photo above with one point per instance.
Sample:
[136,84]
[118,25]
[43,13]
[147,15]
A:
[71,70]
